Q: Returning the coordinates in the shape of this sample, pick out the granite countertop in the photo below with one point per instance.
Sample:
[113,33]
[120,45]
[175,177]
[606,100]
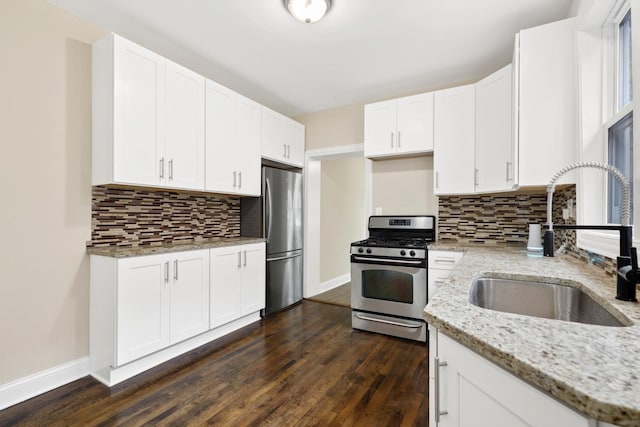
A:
[128,251]
[594,369]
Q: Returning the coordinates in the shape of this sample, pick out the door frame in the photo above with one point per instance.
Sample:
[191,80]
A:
[312,187]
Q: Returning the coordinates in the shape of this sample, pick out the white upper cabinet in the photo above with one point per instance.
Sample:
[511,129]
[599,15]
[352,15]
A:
[282,138]
[547,105]
[495,153]
[184,129]
[232,142]
[148,118]
[399,126]
[454,140]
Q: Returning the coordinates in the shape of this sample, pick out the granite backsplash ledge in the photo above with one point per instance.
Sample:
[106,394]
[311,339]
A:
[138,217]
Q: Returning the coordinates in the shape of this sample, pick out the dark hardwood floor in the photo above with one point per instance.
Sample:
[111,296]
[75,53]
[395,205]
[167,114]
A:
[303,366]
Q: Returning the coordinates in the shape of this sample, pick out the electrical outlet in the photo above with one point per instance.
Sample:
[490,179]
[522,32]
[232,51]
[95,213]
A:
[565,214]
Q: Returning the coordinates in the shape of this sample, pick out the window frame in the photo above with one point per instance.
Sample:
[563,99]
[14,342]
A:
[598,56]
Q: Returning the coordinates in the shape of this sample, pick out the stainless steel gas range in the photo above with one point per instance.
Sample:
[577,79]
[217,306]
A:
[389,276]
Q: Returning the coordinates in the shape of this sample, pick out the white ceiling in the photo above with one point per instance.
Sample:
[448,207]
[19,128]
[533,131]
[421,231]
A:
[362,51]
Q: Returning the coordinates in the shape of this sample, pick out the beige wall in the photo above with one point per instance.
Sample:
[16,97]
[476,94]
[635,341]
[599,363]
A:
[45,129]
[342,213]
[335,127]
[404,186]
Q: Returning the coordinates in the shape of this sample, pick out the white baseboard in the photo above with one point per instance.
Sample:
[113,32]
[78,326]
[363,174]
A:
[334,283]
[25,388]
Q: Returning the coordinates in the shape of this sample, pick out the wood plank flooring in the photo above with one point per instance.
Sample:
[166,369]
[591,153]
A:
[304,366]
[340,295]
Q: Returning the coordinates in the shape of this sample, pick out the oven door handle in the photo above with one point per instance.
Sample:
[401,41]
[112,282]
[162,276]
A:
[388,261]
[389,322]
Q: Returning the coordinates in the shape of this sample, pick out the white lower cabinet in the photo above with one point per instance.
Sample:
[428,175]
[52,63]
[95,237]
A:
[161,300]
[467,390]
[237,282]
[440,265]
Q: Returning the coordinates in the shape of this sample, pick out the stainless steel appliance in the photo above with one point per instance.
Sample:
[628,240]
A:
[277,216]
[389,276]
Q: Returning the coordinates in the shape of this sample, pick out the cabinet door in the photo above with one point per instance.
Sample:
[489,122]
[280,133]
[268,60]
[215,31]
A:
[477,393]
[294,137]
[380,128]
[184,128]
[225,285]
[247,147]
[189,294]
[454,141]
[142,306]
[547,102]
[139,83]
[494,138]
[415,123]
[220,136]
[253,278]
[273,145]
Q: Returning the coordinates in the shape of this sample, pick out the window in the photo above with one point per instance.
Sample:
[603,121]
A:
[620,124]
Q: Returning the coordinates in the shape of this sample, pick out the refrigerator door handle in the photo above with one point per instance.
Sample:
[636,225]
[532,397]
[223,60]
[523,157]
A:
[267,210]
[280,258]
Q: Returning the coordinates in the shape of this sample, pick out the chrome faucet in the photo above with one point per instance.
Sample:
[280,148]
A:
[627,262]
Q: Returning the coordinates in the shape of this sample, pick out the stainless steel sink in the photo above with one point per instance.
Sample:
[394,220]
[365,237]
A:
[539,299]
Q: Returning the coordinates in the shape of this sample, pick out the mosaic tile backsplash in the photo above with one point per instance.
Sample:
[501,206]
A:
[495,219]
[139,217]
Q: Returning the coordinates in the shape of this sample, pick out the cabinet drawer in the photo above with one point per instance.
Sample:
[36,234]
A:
[444,260]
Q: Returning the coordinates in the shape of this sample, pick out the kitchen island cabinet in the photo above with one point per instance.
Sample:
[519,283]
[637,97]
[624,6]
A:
[401,126]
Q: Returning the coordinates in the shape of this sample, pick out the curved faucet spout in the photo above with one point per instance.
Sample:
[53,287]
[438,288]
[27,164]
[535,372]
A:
[625,213]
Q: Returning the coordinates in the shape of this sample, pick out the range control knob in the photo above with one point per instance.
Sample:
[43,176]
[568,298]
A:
[360,250]
[369,250]
[402,252]
[412,253]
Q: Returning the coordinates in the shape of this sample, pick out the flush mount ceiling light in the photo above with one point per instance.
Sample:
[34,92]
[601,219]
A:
[307,11]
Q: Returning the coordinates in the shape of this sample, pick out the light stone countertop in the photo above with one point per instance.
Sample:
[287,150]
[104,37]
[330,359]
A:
[594,369]
[128,251]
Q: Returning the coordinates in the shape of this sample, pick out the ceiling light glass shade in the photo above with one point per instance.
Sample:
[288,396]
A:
[307,11]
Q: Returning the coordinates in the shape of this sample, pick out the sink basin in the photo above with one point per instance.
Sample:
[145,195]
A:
[539,299]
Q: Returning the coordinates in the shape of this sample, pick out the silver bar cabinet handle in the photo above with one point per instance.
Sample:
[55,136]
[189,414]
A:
[436,179]
[391,139]
[239,179]
[171,169]
[175,269]
[508,166]
[284,148]
[288,151]
[475,177]
[399,137]
[162,168]
[239,259]
[436,398]
[234,179]
[166,272]
[245,258]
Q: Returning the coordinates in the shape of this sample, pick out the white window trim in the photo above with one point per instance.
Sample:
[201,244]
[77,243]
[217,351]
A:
[598,20]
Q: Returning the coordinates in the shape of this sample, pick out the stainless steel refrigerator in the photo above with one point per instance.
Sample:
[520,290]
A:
[277,216]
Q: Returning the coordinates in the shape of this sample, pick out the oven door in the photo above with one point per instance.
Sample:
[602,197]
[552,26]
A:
[394,287]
